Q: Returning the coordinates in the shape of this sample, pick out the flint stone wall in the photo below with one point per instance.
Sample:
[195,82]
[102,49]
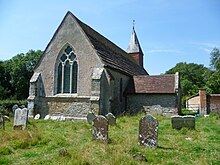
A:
[65,106]
[165,104]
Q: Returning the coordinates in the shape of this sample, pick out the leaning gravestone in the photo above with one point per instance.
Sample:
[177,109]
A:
[90,117]
[148,131]
[111,119]
[100,129]
[20,118]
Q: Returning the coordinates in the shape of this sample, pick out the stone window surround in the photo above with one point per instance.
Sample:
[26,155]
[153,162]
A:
[71,62]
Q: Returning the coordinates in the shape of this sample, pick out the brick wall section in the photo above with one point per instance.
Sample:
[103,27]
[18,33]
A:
[138,57]
[214,103]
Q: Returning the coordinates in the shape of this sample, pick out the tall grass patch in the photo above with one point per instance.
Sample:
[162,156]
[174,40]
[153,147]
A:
[42,141]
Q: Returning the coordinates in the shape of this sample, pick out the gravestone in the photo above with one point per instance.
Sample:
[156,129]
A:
[47,117]
[90,117]
[111,119]
[14,108]
[100,129]
[148,131]
[2,121]
[36,117]
[189,122]
[20,118]
[179,122]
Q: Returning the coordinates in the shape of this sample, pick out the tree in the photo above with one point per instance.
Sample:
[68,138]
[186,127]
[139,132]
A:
[5,86]
[191,78]
[213,77]
[20,69]
[215,59]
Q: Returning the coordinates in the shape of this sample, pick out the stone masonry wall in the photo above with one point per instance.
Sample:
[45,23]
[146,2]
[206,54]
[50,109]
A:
[165,104]
[112,92]
[71,107]
[69,33]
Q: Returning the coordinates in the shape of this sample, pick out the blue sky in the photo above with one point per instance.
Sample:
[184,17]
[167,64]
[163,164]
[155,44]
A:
[169,31]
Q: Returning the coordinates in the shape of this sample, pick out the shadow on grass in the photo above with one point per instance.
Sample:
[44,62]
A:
[165,148]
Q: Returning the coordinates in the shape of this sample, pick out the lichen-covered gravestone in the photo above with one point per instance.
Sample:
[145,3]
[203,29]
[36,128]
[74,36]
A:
[148,131]
[90,117]
[20,118]
[111,119]
[100,129]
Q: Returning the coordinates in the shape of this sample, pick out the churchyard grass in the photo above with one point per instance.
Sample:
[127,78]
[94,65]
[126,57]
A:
[42,141]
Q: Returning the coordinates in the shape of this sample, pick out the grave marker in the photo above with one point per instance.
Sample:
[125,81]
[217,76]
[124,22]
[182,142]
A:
[47,117]
[100,129]
[90,117]
[2,122]
[111,119]
[179,122]
[36,117]
[148,131]
[20,118]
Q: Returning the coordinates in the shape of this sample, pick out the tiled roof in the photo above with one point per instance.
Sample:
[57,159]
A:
[152,84]
[111,55]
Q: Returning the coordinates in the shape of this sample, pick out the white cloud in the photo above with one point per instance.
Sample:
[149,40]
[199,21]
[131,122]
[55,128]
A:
[164,51]
[207,47]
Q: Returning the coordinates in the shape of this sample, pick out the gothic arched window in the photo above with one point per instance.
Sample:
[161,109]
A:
[67,72]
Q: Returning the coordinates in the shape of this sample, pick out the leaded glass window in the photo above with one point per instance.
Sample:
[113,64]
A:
[67,72]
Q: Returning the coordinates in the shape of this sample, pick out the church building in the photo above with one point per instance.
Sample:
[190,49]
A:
[82,71]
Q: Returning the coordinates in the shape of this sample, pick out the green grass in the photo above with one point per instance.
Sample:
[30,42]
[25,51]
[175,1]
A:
[41,142]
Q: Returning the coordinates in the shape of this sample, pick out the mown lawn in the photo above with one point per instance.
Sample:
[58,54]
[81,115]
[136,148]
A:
[41,142]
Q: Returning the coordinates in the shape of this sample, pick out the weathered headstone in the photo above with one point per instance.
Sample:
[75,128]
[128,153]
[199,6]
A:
[148,131]
[179,122]
[20,118]
[111,119]
[14,108]
[22,106]
[189,122]
[47,117]
[100,129]
[37,116]
[90,117]
[2,121]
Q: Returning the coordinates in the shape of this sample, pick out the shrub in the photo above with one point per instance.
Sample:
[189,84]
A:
[6,105]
